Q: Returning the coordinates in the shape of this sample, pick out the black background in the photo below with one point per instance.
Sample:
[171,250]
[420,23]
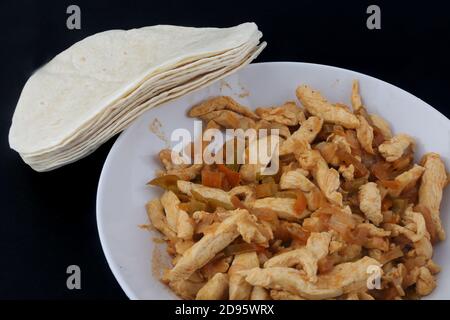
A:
[47,220]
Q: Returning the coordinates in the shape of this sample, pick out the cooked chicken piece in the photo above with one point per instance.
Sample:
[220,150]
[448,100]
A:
[221,265]
[181,246]
[212,243]
[187,289]
[170,202]
[328,152]
[204,221]
[259,293]
[212,125]
[347,172]
[288,114]
[307,132]
[352,296]
[405,179]
[341,141]
[327,179]
[394,148]
[370,202]
[283,207]
[350,252]
[416,222]
[215,289]
[296,179]
[422,248]
[239,288]
[249,172]
[218,196]
[342,279]
[177,219]
[155,212]
[434,180]
[257,161]
[308,256]
[355,97]
[187,173]
[221,103]
[359,296]
[411,277]
[317,105]
[229,119]
[335,246]
[246,193]
[167,157]
[433,267]
[365,296]
[396,276]
[364,133]
[414,229]
[253,232]
[374,231]
[425,282]
[284,295]
[382,125]
[283,130]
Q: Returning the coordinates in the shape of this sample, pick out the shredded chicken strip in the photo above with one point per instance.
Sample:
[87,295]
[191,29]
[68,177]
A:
[283,207]
[355,97]
[221,103]
[434,180]
[307,132]
[382,125]
[259,293]
[155,212]
[317,105]
[178,220]
[284,295]
[296,179]
[343,278]
[206,193]
[394,148]
[288,114]
[327,179]
[415,228]
[364,133]
[186,289]
[406,178]
[215,289]
[370,202]
[229,119]
[308,257]
[239,288]
[212,243]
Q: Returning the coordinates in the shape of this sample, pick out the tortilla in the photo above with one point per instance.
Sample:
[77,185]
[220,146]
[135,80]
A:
[95,88]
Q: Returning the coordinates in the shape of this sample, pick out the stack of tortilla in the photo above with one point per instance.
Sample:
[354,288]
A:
[97,87]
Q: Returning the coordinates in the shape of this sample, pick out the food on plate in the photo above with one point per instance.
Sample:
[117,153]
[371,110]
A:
[347,215]
[97,87]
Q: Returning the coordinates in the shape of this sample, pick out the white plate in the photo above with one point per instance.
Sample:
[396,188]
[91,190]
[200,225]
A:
[132,161]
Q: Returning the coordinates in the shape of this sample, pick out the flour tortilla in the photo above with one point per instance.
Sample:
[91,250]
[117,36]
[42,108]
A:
[86,148]
[84,80]
[149,88]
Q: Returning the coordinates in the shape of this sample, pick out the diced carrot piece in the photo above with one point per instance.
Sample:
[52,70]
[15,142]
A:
[264,190]
[212,179]
[232,177]
[300,203]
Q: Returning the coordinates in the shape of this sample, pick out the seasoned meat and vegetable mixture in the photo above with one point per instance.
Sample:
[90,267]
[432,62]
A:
[348,201]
